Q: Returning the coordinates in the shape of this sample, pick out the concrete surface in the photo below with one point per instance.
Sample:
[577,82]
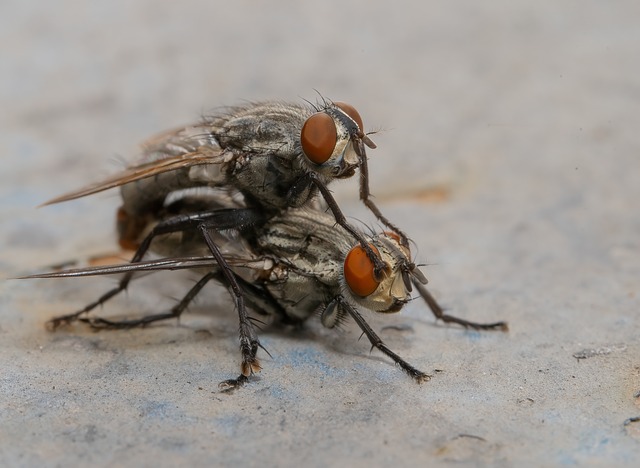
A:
[508,150]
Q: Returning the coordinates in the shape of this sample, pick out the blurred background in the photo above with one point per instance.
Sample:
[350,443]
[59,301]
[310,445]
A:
[507,148]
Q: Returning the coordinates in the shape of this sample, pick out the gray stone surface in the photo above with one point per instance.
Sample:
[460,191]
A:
[508,149]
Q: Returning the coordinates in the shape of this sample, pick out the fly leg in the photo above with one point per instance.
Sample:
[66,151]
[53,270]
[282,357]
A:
[440,315]
[376,342]
[380,267]
[365,196]
[220,219]
[249,343]
[175,312]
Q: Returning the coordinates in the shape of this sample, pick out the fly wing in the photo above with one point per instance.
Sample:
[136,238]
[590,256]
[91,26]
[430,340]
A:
[177,142]
[178,263]
[169,151]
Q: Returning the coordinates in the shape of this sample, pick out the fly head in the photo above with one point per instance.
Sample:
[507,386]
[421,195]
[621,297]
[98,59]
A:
[333,140]
[389,293]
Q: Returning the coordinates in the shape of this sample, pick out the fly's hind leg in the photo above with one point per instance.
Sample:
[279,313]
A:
[179,223]
[219,219]
[99,323]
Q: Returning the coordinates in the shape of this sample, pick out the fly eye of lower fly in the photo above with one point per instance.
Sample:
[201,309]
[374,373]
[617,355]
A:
[359,271]
[318,137]
[351,112]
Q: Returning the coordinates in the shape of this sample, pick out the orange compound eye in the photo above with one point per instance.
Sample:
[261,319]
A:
[351,112]
[358,271]
[318,137]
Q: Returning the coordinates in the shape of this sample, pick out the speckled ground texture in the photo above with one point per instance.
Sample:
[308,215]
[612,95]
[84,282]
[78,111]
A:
[507,148]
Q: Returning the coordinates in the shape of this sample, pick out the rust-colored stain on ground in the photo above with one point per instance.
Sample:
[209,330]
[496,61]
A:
[112,259]
[433,194]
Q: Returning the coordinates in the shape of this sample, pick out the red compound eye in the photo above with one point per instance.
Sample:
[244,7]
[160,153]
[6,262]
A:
[318,137]
[358,271]
[351,112]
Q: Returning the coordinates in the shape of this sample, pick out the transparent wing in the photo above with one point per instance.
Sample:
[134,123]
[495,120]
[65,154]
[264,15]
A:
[177,142]
[169,151]
[178,263]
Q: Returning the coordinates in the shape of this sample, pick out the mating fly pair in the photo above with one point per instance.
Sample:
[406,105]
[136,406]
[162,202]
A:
[237,195]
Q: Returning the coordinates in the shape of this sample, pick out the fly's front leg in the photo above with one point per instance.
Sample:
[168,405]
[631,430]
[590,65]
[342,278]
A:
[249,343]
[380,267]
[376,342]
[440,315]
[365,196]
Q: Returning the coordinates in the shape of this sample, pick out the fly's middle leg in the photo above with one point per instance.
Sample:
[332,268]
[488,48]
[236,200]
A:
[249,343]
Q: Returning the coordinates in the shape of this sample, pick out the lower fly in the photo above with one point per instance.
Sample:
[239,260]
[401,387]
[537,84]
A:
[291,267]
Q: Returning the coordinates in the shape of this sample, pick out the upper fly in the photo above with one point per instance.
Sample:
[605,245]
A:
[274,155]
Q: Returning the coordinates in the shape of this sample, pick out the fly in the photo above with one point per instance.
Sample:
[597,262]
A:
[293,266]
[272,155]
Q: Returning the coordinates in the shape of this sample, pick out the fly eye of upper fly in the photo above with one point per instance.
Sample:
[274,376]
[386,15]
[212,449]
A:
[319,137]
[359,271]
[351,112]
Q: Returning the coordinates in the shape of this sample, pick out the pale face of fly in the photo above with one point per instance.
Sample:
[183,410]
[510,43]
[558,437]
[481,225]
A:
[394,290]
